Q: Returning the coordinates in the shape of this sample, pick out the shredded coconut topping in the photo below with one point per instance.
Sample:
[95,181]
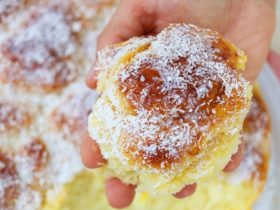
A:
[12,118]
[40,53]
[71,114]
[9,186]
[17,175]
[7,5]
[174,89]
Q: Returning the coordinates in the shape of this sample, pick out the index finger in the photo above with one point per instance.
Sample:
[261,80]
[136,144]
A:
[90,153]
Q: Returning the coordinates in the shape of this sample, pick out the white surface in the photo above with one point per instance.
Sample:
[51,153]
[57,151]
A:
[270,88]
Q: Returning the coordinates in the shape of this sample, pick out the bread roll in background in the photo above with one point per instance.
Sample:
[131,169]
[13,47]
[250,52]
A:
[46,48]
[171,107]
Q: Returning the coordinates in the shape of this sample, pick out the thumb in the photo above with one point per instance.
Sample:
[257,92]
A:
[125,23]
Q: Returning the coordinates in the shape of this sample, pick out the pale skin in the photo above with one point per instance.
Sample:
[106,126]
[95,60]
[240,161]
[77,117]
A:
[249,24]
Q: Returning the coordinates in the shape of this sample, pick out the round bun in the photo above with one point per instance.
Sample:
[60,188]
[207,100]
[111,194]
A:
[171,107]
[35,58]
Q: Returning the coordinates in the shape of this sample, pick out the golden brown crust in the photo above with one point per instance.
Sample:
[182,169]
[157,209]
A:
[199,98]
[227,53]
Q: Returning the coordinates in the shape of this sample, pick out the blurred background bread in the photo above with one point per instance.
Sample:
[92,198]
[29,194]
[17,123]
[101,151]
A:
[41,122]
[46,48]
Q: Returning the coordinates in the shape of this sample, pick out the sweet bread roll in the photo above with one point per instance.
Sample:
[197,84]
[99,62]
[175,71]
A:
[8,174]
[171,107]
[21,172]
[70,115]
[8,6]
[12,118]
[43,52]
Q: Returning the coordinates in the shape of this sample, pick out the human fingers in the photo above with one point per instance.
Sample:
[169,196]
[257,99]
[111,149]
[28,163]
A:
[90,153]
[186,191]
[236,159]
[256,34]
[119,195]
[132,18]
[120,28]
[91,78]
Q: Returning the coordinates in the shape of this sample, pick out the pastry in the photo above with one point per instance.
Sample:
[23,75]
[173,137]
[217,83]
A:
[171,107]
